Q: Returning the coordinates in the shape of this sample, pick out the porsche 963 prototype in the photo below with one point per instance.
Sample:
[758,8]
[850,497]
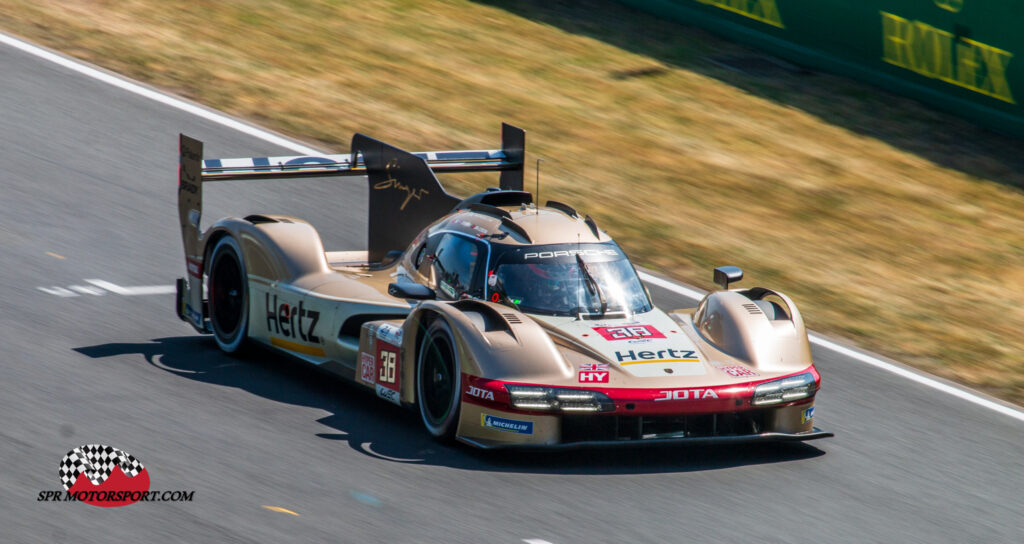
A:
[500,322]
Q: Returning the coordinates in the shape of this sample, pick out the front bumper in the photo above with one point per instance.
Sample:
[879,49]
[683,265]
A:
[722,414]
[489,428]
[654,441]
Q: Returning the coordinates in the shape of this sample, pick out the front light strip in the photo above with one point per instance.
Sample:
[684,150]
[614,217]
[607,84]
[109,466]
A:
[554,399]
[785,390]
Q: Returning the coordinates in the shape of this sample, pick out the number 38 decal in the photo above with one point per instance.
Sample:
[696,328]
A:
[387,367]
[389,372]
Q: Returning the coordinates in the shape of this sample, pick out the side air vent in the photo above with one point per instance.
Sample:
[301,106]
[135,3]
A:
[593,226]
[512,226]
[564,208]
[752,309]
[512,318]
[497,197]
[490,210]
[256,219]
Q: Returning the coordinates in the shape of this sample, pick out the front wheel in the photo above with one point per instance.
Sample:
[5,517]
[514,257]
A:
[228,295]
[439,381]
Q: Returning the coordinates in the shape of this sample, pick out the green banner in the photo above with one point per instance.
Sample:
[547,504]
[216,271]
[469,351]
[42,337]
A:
[958,55]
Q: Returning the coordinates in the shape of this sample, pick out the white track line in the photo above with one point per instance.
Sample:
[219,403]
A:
[267,136]
[59,291]
[133,291]
[157,96]
[87,290]
[922,379]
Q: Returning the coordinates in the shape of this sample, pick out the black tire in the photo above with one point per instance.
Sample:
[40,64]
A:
[228,296]
[439,381]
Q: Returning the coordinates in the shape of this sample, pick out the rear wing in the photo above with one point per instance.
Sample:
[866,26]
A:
[405,195]
[508,160]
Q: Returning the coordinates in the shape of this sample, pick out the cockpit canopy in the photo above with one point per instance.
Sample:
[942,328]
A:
[567,279]
[579,280]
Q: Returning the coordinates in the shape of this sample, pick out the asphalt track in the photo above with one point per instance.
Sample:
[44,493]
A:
[88,192]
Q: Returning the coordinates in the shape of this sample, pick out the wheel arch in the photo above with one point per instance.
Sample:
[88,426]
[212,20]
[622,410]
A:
[274,247]
[735,323]
[498,342]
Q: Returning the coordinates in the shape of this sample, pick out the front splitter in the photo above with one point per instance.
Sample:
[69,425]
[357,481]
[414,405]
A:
[656,441]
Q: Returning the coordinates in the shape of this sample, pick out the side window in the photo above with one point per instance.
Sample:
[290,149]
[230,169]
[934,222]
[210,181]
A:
[459,266]
[421,259]
[421,252]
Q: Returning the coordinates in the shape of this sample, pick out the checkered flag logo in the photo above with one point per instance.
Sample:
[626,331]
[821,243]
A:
[96,462]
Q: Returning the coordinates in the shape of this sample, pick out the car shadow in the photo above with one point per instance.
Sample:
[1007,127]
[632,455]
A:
[942,138]
[392,434]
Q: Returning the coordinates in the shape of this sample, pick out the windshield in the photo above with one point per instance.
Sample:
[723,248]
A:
[588,280]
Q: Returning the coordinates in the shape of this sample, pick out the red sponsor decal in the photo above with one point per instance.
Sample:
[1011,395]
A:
[368,370]
[388,364]
[594,373]
[195,268]
[629,332]
[738,371]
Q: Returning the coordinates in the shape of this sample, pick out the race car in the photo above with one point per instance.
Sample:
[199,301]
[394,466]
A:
[501,322]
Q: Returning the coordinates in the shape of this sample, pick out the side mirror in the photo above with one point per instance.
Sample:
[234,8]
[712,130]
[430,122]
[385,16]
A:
[409,290]
[724,275]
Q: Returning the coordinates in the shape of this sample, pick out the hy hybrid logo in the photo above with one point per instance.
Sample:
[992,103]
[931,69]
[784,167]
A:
[594,373]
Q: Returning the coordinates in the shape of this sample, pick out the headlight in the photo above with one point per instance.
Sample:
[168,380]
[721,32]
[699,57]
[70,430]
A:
[785,390]
[553,399]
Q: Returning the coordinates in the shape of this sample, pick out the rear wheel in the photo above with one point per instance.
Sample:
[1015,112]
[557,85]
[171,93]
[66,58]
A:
[228,295]
[439,381]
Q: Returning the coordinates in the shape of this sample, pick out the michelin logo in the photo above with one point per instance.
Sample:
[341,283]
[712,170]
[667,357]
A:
[507,425]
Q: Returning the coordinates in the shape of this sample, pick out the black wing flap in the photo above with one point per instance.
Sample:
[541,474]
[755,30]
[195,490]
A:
[405,196]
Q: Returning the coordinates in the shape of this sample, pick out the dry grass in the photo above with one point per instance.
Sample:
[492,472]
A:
[891,225]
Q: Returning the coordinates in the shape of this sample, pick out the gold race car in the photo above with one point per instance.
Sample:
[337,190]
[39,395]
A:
[501,322]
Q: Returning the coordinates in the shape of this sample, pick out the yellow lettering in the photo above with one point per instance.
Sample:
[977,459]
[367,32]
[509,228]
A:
[932,51]
[926,50]
[896,40]
[982,69]
[995,71]
[966,65]
[765,11]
